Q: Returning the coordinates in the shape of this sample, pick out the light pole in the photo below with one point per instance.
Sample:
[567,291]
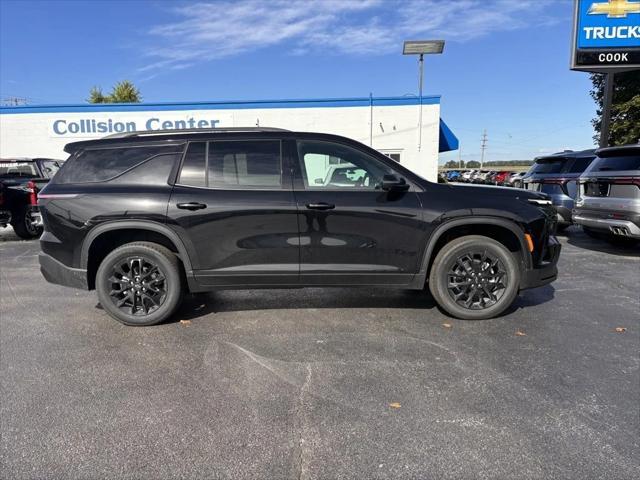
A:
[422,48]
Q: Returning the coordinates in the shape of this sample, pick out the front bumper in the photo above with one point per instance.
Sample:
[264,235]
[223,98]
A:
[547,271]
[58,273]
[5,218]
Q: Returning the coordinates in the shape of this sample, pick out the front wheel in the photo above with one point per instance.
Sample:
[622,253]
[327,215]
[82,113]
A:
[474,278]
[140,283]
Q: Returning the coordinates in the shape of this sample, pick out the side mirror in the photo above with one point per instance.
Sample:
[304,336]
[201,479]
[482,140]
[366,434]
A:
[393,183]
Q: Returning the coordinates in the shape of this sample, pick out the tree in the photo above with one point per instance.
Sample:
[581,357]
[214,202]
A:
[625,108]
[122,92]
[473,164]
[96,96]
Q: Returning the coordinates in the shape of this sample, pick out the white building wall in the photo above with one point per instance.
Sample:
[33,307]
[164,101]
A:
[395,128]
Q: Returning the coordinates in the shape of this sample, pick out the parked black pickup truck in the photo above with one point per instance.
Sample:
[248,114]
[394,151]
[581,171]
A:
[20,181]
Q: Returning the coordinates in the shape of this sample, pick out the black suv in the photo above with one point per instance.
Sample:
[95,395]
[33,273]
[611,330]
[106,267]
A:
[145,217]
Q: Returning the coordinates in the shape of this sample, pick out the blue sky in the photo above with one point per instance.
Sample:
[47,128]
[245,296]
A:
[505,66]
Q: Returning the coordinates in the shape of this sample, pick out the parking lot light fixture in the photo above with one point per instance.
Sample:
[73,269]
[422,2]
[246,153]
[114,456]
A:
[422,48]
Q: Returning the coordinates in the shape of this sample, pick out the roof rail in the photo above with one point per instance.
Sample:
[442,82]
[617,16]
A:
[195,130]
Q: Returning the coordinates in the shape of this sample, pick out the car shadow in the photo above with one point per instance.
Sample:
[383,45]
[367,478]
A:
[577,238]
[202,304]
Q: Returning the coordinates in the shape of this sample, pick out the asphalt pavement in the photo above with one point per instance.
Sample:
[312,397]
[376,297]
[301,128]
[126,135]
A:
[325,383]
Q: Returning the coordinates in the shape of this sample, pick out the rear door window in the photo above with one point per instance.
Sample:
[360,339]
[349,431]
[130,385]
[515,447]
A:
[99,165]
[233,164]
[253,164]
[193,172]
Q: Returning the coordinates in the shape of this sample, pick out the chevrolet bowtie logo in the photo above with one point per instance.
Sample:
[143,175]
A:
[615,8]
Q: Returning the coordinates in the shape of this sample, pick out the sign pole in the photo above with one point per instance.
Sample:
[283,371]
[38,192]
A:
[421,62]
[605,125]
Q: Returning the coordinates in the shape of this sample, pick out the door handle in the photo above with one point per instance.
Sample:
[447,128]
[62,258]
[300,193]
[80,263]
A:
[320,206]
[191,206]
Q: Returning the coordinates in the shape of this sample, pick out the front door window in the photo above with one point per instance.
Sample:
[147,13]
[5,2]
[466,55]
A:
[331,166]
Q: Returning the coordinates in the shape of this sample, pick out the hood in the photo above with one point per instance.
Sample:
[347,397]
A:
[495,191]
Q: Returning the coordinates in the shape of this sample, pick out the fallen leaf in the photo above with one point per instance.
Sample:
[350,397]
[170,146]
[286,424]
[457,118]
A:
[520,333]
[185,322]
[446,325]
[394,405]
[621,329]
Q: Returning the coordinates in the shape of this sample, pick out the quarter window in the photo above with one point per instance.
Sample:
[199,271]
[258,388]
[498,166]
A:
[333,166]
[99,165]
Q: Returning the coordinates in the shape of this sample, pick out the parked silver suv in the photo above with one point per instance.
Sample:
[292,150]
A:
[609,193]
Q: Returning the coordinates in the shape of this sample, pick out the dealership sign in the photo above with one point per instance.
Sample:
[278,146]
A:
[606,35]
[98,125]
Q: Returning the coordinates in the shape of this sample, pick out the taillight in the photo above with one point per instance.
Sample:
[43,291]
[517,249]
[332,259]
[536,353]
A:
[557,181]
[625,181]
[33,196]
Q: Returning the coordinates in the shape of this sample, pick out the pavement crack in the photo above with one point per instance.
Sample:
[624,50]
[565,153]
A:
[300,446]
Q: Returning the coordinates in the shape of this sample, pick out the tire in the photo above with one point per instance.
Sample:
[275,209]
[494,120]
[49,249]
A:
[501,283]
[146,302]
[23,224]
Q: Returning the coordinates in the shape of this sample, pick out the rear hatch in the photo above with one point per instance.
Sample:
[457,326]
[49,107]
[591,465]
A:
[613,183]
[558,174]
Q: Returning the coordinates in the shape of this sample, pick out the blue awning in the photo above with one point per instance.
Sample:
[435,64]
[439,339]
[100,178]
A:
[448,141]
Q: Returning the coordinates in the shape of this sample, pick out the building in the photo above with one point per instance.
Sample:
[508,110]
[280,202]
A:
[388,124]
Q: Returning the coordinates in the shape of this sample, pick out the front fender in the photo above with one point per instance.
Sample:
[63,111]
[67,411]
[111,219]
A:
[447,225]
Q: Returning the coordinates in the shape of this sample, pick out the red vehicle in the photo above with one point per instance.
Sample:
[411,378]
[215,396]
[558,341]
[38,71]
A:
[501,177]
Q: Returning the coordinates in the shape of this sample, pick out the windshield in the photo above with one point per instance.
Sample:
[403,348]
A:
[631,162]
[17,169]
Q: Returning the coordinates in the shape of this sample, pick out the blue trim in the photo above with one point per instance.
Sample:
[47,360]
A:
[448,140]
[225,105]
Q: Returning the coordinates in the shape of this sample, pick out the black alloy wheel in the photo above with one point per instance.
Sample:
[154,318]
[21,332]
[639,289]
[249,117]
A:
[138,285]
[477,280]
[474,277]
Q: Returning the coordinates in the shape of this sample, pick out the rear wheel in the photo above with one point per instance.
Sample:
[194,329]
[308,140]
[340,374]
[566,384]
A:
[24,225]
[474,278]
[140,283]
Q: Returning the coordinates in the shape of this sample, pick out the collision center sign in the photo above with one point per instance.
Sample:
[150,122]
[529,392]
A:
[606,35]
[95,125]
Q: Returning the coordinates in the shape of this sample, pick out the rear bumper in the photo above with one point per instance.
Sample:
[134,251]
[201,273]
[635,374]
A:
[629,228]
[58,273]
[547,271]
[5,218]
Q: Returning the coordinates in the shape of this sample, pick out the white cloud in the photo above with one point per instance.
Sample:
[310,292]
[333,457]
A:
[210,30]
